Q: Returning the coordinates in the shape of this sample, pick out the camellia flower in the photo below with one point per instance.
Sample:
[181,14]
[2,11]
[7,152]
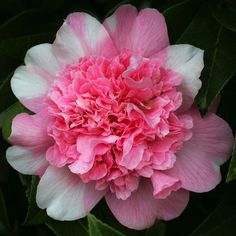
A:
[114,118]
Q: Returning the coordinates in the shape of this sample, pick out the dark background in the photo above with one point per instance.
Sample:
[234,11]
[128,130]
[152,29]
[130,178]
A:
[210,25]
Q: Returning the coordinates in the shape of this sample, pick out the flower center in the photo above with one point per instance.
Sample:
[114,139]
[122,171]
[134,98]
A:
[115,120]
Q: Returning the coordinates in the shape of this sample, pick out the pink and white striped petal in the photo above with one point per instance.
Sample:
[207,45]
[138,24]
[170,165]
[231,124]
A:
[144,33]
[141,209]
[65,196]
[26,161]
[66,47]
[41,56]
[29,87]
[198,162]
[81,35]
[187,61]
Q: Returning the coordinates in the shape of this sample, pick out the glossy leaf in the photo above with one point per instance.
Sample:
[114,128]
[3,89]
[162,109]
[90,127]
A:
[225,15]
[35,215]
[159,229]
[26,23]
[9,114]
[221,221]
[98,228]
[67,228]
[219,57]
[178,17]
[232,168]
[6,96]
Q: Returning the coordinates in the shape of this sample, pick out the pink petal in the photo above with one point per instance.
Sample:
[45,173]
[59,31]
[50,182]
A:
[120,24]
[141,209]
[187,61]
[145,33]
[30,137]
[26,161]
[30,131]
[197,163]
[29,87]
[133,158]
[163,184]
[172,206]
[65,196]
[86,147]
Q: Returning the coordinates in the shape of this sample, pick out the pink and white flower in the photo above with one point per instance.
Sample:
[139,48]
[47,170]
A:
[114,118]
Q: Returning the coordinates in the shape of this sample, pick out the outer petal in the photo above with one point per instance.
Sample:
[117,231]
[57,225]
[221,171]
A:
[30,131]
[65,196]
[82,34]
[29,134]
[25,161]
[197,163]
[29,87]
[186,60]
[41,56]
[145,33]
[120,24]
[141,209]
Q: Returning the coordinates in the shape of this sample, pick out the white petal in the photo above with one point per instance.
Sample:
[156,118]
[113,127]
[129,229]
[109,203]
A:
[65,196]
[66,47]
[29,87]
[186,60]
[25,162]
[42,57]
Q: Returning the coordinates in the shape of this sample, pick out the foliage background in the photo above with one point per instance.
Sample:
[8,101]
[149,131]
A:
[210,25]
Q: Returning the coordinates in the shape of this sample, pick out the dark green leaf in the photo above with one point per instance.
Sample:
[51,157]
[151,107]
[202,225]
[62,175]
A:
[27,23]
[6,96]
[67,228]
[98,228]
[225,15]
[9,114]
[159,229]
[221,221]
[219,57]
[232,168]
[178,17]
[34,214]
[16,47]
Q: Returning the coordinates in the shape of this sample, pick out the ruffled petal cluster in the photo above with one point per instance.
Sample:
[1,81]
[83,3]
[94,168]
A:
[114,117]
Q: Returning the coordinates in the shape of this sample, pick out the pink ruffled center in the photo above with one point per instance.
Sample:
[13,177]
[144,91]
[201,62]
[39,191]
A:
[115,120]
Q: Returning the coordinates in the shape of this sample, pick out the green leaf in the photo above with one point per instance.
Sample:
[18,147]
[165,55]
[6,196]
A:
[225,15]
[159,229]
[221,221]
[177,18]
[219,56]
[35,215]
[26,23]
[15,48]
[6,96]
[67,228]
[8,115]
[232,168]
[98,228]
